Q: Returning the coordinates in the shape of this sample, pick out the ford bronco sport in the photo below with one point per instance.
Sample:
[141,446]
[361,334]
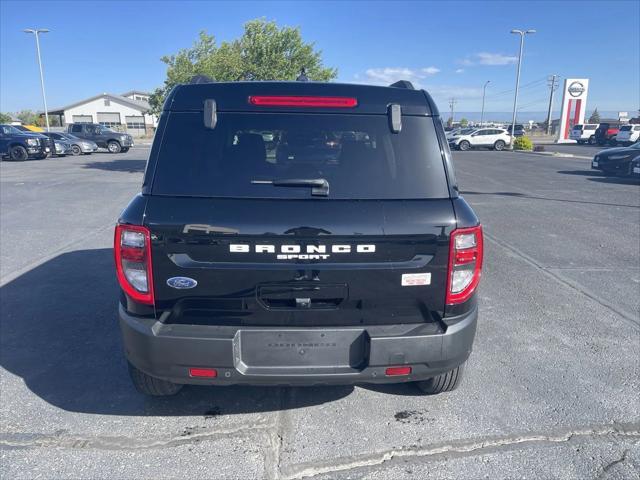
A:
[298,233]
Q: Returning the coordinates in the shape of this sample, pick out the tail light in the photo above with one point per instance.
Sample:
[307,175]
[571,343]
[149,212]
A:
[296,101]
[132,249]
[465,264]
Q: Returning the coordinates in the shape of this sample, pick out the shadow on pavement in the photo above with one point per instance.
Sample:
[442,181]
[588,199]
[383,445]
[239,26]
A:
[600,177]
[130,166]
[582,173]
[60,334]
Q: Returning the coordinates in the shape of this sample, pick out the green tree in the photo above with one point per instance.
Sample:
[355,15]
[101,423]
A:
[464,122]
[263,52]
[28,117]
[595,116]
[5,118]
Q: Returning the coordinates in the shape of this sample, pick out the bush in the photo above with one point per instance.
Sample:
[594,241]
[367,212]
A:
[523,143]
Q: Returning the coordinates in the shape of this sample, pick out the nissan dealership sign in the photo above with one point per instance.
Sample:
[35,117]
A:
[574,106]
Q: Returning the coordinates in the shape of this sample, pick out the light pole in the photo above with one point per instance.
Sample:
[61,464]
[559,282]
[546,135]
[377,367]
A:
[37,32]
[522,33]
[484,91]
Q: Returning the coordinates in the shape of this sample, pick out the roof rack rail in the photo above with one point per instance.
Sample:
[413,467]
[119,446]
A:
[403,84]
[198,79]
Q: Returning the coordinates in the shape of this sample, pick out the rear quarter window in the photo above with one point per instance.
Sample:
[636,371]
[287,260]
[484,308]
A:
[357,154]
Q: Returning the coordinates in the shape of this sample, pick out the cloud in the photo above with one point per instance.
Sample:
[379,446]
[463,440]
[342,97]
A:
[460,70]
[389,75]
[489,59]
[430,70]
[485,58]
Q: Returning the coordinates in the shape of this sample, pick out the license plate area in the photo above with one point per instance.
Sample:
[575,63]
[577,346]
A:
[300,351]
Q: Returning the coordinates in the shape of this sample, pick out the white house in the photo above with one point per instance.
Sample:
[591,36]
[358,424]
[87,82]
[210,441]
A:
[128,111]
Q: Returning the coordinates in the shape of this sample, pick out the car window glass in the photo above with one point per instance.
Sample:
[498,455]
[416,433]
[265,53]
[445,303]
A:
[357,154]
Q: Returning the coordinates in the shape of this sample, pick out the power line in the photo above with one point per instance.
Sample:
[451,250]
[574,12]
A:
[533,83]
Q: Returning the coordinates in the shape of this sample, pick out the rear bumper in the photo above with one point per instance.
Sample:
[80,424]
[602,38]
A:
[168,351]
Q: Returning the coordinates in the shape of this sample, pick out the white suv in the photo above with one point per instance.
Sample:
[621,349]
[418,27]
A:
[496,138]
[628,134]
[584,133]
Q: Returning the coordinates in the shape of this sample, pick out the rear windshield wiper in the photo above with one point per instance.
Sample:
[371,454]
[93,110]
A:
[319,186]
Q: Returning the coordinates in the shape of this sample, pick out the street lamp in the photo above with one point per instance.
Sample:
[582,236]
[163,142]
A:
[37,32]
[484,91]
[522,33]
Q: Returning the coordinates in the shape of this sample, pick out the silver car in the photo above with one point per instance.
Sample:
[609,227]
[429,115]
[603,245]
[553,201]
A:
[62,148]
[78,145]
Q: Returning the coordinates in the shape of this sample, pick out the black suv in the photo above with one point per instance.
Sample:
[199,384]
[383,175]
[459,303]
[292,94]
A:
[18,145]
[104,137]
[298,233]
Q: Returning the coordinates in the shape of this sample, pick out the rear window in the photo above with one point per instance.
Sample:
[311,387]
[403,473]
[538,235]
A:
[625,128]
[590,127]
[577,127]
[357,154]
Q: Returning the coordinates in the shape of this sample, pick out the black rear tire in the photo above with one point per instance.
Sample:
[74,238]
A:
[124,150]
[580,142]
[592,140]
[18,153]
[445,382]
[499,145]
[148,385]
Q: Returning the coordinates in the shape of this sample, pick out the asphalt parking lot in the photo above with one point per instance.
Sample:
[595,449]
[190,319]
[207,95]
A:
[551,390]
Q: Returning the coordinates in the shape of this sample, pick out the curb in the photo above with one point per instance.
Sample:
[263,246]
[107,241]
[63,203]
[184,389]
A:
[553,154]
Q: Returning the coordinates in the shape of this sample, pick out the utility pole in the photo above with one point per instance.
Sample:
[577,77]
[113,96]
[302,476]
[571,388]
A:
[522,33]
[37,32]
[553,85]
[452,104]
[484,91]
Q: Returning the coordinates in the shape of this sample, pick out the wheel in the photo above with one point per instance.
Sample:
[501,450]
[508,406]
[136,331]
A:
[124,149]
[592,140]
[149,385]
[499,145]
[76,150]
[18,153]
[42,156]
[445,382]
[580,142]
[464,145]
[114,147]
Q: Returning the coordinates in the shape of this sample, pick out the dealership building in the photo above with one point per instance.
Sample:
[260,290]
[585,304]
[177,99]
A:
[127,112]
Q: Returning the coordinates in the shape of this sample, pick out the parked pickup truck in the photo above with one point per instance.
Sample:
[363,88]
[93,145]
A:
[298,233]
[17,145]
[115,142]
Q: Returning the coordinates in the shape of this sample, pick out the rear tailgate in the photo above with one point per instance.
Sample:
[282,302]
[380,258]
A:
[250,260]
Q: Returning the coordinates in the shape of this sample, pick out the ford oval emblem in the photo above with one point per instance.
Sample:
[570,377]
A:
[181,283]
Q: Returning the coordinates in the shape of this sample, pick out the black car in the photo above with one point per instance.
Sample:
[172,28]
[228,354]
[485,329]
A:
[519,129]
[298,233]
[104,137]
[616,161]
[635,167]
[18,145]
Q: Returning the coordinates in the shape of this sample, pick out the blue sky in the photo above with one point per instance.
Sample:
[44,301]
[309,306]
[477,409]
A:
[450,48]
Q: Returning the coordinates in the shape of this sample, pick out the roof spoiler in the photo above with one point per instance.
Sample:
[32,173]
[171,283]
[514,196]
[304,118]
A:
[403,84]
